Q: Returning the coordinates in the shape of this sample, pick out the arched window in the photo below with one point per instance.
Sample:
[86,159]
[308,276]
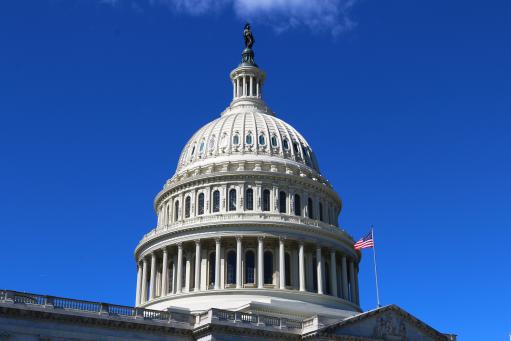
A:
[295,148]
[176,210]
[201,146]
[212,143]
[268,267]
[231,267]
[216,201]
[232,200]
[262,140]
[236,139]
[249,139]
[212,260]
[187,207]
[298,205]
[249,267]
[274,142]
[321,211]
[282,202]
[310,208]
[285,143]
[200,204]
[287,266]
[249,199]
[306,156]
[327,279]
[266,200]
[193,151]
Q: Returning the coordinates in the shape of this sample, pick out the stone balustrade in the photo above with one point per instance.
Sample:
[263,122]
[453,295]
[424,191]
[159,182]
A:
[180,319]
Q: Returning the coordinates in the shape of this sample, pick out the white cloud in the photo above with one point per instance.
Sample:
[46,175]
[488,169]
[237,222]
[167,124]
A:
[317,15]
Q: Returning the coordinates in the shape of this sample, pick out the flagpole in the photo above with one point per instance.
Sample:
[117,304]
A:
[375,269]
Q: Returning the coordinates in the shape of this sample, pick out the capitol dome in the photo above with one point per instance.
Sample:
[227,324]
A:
[249,135]
[247,222]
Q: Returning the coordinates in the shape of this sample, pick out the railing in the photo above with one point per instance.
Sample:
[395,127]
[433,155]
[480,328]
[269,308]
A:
[69,304]
[242,216]
[126,312]
[257,320]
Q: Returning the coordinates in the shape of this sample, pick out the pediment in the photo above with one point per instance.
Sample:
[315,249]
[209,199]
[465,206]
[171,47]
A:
[389,323]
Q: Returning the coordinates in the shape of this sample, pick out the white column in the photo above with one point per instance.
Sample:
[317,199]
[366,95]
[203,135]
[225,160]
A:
[217,263]
[152,279]
[197,265]
[179,285]
[319,269]
[258,89]
[251,86]
[238,262]
[244,85]
[344,278]
[188,271]
[233,89]
[164,273]
[352,282]
[174,274]
[143,298]
[333,273]
[260,262]
[139,284]
[301,266]
[237,87]
[282,264]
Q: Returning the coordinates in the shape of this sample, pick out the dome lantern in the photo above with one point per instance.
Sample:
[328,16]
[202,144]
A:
[247,78]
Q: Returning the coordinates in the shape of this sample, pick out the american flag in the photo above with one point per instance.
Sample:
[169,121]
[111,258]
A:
[365,242]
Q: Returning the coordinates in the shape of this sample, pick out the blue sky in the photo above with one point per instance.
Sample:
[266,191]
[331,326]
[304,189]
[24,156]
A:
[407,105]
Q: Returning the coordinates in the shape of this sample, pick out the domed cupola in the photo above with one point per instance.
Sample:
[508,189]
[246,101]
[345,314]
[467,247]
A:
[247,222]
[249,132]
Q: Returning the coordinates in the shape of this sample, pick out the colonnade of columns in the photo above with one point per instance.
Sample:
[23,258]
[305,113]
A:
[246,85]
[246,262]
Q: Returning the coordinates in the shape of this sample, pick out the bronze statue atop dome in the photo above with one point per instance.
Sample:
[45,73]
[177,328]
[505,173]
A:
[249,38]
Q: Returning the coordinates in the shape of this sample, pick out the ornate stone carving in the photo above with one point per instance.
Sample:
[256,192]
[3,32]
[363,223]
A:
[390,327]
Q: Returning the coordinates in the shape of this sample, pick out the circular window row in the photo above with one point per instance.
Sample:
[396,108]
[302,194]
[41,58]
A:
[299,150]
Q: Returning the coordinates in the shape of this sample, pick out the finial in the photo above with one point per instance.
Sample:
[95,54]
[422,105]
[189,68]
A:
[247,58]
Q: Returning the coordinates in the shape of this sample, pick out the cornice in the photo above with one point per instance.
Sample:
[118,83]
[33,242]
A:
[311,233]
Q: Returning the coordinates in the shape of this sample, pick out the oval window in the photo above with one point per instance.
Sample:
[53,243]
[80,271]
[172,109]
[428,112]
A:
[286,144]
[248,139]
[274,141]
[236,140]
[262,140]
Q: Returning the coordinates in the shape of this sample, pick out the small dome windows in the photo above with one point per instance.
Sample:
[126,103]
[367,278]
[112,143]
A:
[274,142]
[285,143]
[236,139]
[201,146]
[262,140]
[295,148]
[249,139]
[193,151]
[212,143]
[224,141]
